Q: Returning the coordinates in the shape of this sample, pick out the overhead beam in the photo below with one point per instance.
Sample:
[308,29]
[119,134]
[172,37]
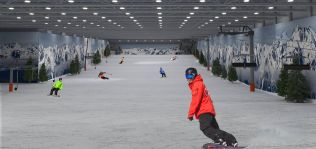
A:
[111,11]
[153,4]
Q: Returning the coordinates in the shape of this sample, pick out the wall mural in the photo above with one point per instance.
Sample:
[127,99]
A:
[14,54]
[274,46]
[150,49]
[56,51]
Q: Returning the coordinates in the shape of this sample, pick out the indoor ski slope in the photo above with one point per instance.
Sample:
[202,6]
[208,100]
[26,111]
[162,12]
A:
[136,109]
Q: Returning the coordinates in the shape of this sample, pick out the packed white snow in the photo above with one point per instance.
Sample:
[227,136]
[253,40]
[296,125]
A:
[136,109]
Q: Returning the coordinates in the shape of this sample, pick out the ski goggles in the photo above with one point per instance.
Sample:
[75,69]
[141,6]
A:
[189,76]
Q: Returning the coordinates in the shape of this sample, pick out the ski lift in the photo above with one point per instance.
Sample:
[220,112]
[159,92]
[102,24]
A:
[296,66]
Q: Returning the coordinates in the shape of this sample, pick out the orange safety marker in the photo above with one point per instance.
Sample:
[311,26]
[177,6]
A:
[252,87]
[11,87]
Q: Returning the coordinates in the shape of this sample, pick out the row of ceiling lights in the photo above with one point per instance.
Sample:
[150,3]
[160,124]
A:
[127,13]
[75,17]
[233,8]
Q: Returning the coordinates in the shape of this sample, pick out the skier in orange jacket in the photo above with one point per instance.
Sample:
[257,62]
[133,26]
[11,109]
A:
[203,109]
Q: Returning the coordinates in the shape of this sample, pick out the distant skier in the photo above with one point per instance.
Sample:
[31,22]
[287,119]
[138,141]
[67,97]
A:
[102,75]
[163,73]
[173,58]
[202,107]
[58,85]
[122,60]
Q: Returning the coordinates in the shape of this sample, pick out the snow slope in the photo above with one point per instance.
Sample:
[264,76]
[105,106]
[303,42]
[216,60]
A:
[136,109]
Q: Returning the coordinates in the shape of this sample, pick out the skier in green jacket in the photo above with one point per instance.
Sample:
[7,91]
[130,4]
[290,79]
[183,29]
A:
[58,85]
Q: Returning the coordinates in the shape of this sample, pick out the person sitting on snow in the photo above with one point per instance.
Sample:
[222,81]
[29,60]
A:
[102,75]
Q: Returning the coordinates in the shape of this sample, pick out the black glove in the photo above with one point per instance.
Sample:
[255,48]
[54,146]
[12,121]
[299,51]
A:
[190,118]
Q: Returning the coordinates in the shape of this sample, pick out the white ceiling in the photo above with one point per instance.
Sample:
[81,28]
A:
[139,18]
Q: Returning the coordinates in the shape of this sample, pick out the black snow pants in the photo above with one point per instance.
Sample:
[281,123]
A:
[210,128]
[54,90]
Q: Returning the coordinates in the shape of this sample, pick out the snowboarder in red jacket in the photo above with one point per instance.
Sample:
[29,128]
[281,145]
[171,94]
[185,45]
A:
[203,109]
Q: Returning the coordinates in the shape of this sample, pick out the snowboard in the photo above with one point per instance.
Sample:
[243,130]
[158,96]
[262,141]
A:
[54,95]
[218,146]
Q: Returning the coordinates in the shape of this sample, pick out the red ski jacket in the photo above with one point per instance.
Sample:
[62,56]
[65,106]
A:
[201,101]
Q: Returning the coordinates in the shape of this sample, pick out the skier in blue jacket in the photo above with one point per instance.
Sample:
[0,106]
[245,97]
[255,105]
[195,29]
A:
[162,72]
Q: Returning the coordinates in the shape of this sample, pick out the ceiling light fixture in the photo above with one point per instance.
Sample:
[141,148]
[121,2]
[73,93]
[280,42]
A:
[196,8]
[48,8]
[63,13]
[11,8]
[158,1]
[27,1]
[122,8]
[71,1]
[31,14]
[85,8]
[233,8]
[18,17]
[46,17]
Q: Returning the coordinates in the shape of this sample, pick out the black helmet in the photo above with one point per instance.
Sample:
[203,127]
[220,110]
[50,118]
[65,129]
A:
[60,79]
[190,73]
